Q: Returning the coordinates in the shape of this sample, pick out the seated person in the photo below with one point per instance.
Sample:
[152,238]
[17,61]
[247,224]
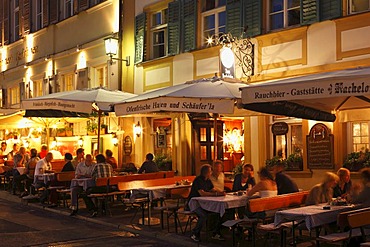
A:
[202,186]
[323,192]
[83,170]
[362,195]
[29,172]
[266,187]
[110,159]
[13,152]
[68,166]
[100,170]
[244,180]
[130,168]
[18,162]
[285,184]
[217,177]
[149,165]
[344,185]
[43,152]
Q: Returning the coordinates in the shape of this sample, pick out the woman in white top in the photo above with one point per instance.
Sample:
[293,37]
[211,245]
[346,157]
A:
[266,186]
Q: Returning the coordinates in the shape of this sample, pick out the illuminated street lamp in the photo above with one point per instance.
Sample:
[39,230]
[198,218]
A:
[111,49]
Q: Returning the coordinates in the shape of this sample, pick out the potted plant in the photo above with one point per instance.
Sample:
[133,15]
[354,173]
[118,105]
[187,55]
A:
[355,161]
[294,162]
[91,128]
[61,132]
[163,161]
[274,161]
[103,129]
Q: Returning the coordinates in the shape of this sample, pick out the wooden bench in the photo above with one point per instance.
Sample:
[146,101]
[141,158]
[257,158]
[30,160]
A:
[355,220]
[273,203]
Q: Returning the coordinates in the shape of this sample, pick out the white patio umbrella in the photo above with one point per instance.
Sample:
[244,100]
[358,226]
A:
[212,95]
[76,103]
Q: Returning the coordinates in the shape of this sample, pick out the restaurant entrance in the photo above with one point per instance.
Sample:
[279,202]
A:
[204,139]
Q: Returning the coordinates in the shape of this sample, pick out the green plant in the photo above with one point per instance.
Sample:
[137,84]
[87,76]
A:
[357,160]
[91,126]
[238,169]
[275,161]
[162,161]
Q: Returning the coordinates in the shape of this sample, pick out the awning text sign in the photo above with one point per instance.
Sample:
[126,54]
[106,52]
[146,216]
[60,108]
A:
[53,104]
[169,104]
[300,90]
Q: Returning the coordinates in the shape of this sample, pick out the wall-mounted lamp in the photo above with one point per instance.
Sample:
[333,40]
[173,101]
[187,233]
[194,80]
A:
[111,49]
[80,142]
[115,140]
[137,129]
[78,48]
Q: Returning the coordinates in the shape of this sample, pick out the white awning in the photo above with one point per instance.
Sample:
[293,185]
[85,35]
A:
[328,92]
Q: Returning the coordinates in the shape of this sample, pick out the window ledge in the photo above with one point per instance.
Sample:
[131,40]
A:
[165,59]
[300,174]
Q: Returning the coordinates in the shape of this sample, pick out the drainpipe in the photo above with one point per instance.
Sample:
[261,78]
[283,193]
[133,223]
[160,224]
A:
[120,26]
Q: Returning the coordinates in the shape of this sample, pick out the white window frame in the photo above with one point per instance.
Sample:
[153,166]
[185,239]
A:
[356,12]
[161,27]
[14,95]
[105,75]
[37,15]
[350,144]
[285,15]
[15,27]
[210,12]
[290,121]
[63,82]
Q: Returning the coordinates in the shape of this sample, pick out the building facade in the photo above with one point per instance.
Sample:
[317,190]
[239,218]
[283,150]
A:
[50,46]
[290,38]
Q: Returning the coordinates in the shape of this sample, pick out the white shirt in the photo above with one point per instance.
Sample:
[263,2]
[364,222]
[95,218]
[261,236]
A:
[219,182]
[83,170]
[44,165]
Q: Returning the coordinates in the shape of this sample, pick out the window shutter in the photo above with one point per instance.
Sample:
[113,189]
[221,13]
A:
[82,5]
[75,7]
[309,11]
[26,17]
[45,13]
[330,9]
[22,90]
[4,93]
[234,17]
[6,22]
[82,79]
[173,28]
[1,22]
[189,24]
[53,13]
[252,16]
[140,24]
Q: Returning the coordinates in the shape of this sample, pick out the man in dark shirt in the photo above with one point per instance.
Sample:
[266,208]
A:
[149,165]
[284,182]
[68,166]
[202,186]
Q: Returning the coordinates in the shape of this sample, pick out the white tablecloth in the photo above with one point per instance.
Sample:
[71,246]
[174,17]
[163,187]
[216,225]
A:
[156,192]
[218,204]
[85,183]
[313,215]
[46,177]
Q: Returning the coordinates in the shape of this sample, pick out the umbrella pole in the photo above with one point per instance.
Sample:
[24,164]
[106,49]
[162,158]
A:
[215,137]
[99,122]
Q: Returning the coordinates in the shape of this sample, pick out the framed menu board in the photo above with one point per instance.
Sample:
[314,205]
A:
[320,148]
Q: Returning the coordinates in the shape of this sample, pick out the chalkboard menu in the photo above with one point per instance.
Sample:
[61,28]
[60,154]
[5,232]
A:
[309,11]
[320,147]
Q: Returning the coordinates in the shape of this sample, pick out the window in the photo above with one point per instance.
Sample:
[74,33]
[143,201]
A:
[37,88]
[15,97]
[213,18]
[292,141]
[284,13]
[15,20]
[67,83]
[159,33]
[360,136]
[36,15]
[66,9]
[102,76]
[357,6]
[95,2]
